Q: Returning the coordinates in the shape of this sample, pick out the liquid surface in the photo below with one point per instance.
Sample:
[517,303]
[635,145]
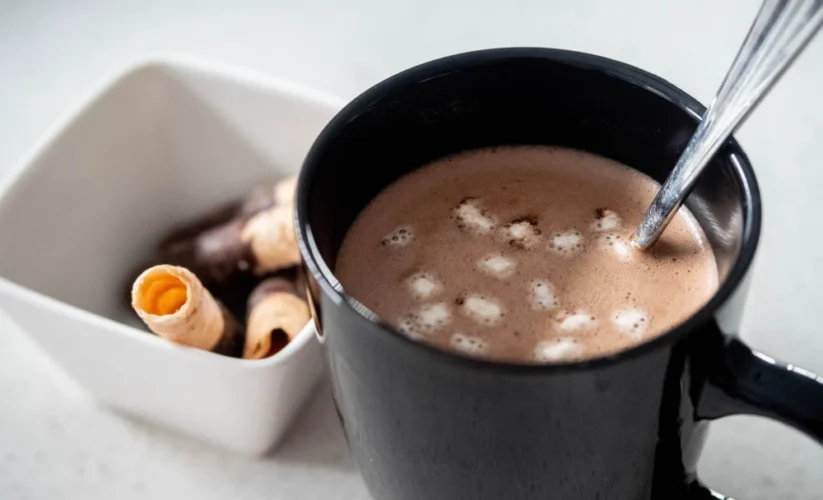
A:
[521,254]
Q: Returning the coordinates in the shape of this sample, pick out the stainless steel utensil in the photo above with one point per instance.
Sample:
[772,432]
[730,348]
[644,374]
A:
[779,33]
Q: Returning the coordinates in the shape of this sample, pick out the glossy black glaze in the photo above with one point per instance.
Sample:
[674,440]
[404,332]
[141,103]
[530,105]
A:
[424,424]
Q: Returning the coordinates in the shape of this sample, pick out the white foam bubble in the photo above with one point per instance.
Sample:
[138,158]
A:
[632,322]
[471,215]
[433,317]
[522,234]
[399,236]
[407,325]
[426,320]
[562,349]
[618,245]
[606,220]
[567,243]
[497,265]
[467,344]
[424,285]
[483,310]
[543,295]
[577,321]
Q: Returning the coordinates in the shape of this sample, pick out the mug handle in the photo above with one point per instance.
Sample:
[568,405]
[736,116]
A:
[741,381]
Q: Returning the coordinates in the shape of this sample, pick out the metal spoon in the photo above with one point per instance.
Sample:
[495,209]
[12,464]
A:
[779,33]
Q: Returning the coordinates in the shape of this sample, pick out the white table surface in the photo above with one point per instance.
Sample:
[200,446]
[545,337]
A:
[57,443]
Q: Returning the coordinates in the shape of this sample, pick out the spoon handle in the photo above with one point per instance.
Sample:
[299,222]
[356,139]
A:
[779,33]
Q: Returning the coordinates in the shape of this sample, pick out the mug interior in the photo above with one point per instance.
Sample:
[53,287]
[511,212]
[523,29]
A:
[519,97]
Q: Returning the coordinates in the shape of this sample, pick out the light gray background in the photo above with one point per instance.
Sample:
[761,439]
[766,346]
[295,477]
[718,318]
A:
[56,443]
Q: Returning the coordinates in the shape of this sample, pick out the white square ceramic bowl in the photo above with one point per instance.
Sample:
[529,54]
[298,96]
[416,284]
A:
[159,144]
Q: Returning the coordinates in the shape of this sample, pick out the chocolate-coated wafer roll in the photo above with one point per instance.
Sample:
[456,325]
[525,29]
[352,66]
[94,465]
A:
[267,196]
[214,254]
[260,198]
[276,316]
[271,240]
[175,305]
[261,243]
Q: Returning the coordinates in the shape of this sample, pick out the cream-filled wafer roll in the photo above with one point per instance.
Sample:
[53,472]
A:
[175,305]
[276,315]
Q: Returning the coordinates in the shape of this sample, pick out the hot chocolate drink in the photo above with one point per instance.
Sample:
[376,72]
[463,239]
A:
[522,254]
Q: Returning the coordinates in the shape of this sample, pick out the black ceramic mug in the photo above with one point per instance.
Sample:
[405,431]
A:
[424,424]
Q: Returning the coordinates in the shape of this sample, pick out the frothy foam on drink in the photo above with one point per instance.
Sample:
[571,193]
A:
[522,233]
[426,320]
[577,321]
[606,220]
[633,322]
[619,246]
[542,295]
[467,344]
[523,254]
[497,265]
[483,310]
[561,349]
[408,327]
[470,215]
[567,243]
[424,285]
[432,317]
[399,236]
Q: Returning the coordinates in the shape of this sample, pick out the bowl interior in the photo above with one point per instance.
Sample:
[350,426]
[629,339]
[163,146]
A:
[160,146]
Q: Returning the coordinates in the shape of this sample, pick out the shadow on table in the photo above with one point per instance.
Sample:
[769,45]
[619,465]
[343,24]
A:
[316,438]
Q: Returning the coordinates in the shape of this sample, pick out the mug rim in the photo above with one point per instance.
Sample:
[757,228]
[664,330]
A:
[741,168]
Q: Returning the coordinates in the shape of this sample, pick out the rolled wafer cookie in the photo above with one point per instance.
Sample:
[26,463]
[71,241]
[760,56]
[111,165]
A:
[276,315]
[214,254]
[175,305]
[271,240]
[260,243]
[267,196]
